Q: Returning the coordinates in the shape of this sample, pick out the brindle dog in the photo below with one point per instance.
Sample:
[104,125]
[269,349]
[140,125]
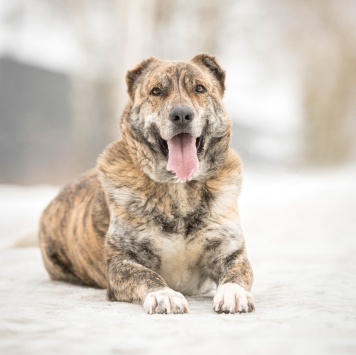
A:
[158,216]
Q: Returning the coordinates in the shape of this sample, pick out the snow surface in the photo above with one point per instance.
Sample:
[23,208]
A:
[300,231]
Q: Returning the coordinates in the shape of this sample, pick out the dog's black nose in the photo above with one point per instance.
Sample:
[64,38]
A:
[181,115]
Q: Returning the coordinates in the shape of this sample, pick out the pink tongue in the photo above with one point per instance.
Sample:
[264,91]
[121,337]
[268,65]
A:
[182,157]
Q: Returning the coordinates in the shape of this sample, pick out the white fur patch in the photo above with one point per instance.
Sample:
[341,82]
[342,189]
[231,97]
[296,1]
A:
[232,298]
[165,301]
[178,264]
[149,119]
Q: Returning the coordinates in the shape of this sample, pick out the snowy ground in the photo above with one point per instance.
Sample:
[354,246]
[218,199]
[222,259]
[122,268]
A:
[300,230]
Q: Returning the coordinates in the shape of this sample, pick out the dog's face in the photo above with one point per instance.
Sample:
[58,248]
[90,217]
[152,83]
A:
[176,120]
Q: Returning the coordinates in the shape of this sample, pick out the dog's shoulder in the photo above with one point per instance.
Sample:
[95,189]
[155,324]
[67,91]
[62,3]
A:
[117,168]
[225,186]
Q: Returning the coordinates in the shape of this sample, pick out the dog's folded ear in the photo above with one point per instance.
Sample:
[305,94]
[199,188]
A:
[213,66]
[133,75]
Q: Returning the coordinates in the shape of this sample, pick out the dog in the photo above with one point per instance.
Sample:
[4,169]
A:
[157,219]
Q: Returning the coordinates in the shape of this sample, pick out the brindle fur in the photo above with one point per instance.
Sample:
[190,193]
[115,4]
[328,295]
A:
[130,225]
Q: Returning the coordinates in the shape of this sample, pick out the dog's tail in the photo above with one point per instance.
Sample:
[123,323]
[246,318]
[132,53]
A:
[26,239]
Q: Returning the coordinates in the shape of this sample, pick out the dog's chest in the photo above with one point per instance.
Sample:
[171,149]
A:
[180,264]
[188,212]
[176,231]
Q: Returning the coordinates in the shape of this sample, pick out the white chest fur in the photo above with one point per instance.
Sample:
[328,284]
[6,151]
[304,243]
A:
[180,265]
[181,258]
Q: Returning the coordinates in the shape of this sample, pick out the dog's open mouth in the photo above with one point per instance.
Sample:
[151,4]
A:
[163,146]
[182,152]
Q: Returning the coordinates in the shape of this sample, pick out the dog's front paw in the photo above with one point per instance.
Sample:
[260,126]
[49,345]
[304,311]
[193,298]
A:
[165,301]
[232,298]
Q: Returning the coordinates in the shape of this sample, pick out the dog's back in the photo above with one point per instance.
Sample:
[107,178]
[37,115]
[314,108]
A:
[72,233]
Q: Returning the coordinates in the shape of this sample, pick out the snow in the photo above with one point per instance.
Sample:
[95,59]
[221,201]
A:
[300,229]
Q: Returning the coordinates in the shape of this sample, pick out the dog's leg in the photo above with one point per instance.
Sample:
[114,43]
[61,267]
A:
[129,281]
[235,281]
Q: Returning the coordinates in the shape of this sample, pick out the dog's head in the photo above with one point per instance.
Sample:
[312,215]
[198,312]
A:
[176,124]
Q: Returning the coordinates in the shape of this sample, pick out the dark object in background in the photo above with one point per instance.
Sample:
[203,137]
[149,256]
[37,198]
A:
[36,142]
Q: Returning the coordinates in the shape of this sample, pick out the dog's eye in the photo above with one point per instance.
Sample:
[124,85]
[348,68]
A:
[156,92]
[199,89]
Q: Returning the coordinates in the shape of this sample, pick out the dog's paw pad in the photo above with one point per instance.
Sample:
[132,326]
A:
[165,301]
[232,298]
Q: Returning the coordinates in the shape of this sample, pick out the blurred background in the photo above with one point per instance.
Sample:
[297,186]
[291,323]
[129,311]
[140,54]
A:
[291,77]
